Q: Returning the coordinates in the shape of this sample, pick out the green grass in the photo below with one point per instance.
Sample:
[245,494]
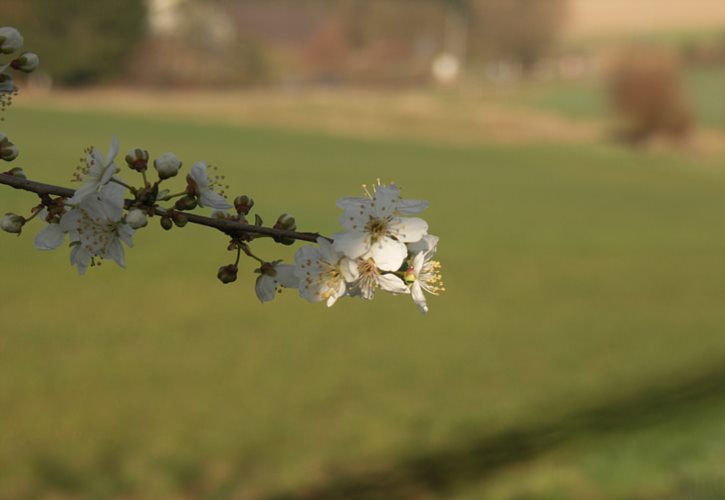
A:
[578,277]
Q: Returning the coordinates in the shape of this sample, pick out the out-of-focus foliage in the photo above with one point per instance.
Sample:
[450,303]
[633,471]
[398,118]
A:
[79,41]
[521,30]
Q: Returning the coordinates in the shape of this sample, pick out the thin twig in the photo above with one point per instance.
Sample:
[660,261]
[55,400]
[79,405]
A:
[228,227]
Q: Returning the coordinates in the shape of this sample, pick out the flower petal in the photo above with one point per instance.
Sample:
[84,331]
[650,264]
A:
[50,237]
[212,199]
[352,243]
[265,288]
[388,254]
[115,252]
[286,276]
[411,207]
[417,293]
[385,201]
[408,229]
[391,283]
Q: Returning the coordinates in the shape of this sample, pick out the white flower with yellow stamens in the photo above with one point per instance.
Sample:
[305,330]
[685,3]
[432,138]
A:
[95,173]
[323,272]
[375,229]
[369,279]
[99,226]
[424,273]
[205,189]
[273,276]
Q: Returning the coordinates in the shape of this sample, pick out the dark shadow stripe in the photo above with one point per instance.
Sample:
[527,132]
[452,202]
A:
[444,470]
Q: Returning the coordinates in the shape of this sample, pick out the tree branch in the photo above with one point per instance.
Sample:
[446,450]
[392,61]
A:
[228,227]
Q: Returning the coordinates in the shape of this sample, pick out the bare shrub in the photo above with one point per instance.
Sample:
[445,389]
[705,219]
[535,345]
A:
[646,91]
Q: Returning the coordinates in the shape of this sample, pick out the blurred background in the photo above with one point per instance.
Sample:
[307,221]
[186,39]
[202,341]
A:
[573,152]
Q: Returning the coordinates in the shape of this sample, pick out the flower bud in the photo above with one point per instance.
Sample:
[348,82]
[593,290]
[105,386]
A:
[136,218]
[287,223]
[166,223]
[27,62]
[138,159]
[167,165]
[243,204]
[17,172]
[180,219]
[227,274]
[12,223]
[10,40]
[187,202]
[8,150]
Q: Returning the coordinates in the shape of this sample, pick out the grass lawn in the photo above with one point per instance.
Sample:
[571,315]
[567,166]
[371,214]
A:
[578,353]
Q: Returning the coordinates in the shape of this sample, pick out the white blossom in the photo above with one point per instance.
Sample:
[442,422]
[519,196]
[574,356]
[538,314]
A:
[323,272]
[98,223]
[376,230]
[272,277]
[423,273]
[369,279]
[96,173]
[201,185]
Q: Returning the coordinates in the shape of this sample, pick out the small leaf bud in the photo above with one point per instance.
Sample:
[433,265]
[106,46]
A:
[17,172]
[287,223]
[138,159]
[27,62]
[12,223]
[243,204]
[167,165]
[258,220]
[10,40]
[187,202]
[227,274]
[136,218]
[180,219]
[166,223]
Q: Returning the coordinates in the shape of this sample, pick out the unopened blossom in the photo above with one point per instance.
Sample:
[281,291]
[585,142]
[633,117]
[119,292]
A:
[96,172]
[8,150]
[27,62]
[12,223]
[370,278]
[137,159]
[424,273]
[10,40]
[376,230]
[272,277]
[167,165]
[136,218]
[323,272]
[205,189]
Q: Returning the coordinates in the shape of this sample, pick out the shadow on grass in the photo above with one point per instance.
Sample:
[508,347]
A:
[444,470]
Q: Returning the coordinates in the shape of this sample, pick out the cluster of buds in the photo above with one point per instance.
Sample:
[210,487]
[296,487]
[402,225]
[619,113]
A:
[8,150]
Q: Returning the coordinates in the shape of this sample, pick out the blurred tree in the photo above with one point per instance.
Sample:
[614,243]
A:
[521,30]
[79,41]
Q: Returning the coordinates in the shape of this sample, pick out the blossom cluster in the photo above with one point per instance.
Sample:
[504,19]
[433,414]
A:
[382,248]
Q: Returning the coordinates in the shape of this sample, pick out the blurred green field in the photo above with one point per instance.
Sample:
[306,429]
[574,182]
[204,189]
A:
[579,352]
